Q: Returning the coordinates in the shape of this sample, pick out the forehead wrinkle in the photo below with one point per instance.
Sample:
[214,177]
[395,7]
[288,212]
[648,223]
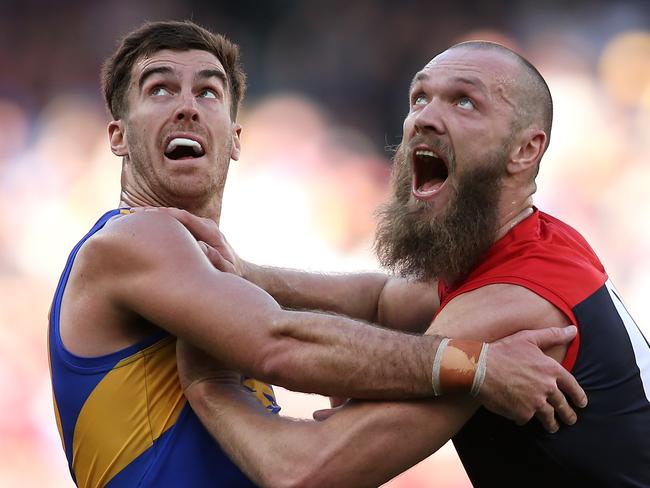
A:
[502,92]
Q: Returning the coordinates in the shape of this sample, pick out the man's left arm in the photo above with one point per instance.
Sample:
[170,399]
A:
[364,444]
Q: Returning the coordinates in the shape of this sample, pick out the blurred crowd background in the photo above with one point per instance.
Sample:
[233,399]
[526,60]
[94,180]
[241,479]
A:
[327,95]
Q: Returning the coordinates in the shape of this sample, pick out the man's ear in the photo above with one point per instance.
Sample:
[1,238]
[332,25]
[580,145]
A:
[117,138]
[528,151]
[236,142]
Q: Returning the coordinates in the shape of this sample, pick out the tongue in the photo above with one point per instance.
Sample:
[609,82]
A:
[430,186]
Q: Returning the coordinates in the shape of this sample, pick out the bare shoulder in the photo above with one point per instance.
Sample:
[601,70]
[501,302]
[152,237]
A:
[130,242]
[495,311]
[115,268]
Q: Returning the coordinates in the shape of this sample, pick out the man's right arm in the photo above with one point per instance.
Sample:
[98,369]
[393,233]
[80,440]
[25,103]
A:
[390,301]
[393,302]
[148,264]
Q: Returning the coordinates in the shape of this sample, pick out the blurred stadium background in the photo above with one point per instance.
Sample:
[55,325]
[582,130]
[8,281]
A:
[327,94]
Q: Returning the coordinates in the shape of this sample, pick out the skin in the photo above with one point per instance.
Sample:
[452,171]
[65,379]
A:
[162,278]
[466,98]
[112,303]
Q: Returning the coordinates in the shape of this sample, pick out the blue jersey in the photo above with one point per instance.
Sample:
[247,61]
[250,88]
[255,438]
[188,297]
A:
[123,419]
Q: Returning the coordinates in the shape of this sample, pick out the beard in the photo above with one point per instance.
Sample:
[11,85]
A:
[411,243]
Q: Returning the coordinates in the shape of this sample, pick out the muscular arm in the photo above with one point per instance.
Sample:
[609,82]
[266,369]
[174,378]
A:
[148,266]
[364,444]
[390,301]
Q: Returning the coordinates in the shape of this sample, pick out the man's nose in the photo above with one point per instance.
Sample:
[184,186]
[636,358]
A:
[187,108]
[430,118]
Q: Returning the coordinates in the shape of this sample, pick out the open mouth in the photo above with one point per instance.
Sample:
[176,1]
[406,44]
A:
[429,173]
[183,148]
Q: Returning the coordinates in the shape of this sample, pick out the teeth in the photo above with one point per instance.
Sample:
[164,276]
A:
[424,152]
[183,141]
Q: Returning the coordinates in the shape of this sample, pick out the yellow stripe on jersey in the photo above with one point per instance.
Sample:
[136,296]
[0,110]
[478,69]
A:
[133,405]
[262,391]
[57,417]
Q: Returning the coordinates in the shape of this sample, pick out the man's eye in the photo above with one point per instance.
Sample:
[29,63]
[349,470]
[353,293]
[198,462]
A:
[208,94]
[420,99]
[466,103]
[159,91]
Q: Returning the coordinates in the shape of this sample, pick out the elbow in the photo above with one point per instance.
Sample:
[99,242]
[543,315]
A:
[275,360]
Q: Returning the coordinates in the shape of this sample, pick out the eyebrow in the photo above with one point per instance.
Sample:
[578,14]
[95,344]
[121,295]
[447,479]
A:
[475,82]
[166,70]
[417,78]
[212,73]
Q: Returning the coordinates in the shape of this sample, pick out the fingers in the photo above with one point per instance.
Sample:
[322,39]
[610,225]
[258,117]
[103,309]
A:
[552,336]
[337,401]
[546,415]
[563,410]
[201,228]
[569,385]
[216,258]
[320,415]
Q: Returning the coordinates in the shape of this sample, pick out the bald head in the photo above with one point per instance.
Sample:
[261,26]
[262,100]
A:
[533,103]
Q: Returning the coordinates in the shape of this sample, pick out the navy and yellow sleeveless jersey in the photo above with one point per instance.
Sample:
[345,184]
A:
[123,419]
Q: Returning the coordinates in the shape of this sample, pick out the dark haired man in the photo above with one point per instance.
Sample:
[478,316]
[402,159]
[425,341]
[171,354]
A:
[137,281]
[461,216]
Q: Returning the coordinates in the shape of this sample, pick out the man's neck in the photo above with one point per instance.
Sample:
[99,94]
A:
[512,211]
[210,209]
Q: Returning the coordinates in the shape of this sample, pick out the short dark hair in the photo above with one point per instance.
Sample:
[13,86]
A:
[176,36]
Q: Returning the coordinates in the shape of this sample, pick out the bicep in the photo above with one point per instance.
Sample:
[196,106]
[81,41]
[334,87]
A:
[407,305]
[163,277]
[495,311]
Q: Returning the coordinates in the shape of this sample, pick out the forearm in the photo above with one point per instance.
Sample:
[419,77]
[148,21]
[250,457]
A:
[354,295]
[249,435]
[390,301]
[333,355]
[354,448]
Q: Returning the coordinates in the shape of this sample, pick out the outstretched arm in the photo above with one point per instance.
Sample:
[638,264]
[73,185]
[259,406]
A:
[363,444]
[390,301]
[147,266]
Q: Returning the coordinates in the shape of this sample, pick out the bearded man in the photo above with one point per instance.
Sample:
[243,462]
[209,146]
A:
[461,220]
[137,281]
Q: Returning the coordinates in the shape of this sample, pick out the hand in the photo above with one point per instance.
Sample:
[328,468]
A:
[522,382]
[337,403]
[195,366]
[212,242]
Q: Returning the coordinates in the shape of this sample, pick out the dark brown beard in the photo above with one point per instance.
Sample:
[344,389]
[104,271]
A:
[411,243]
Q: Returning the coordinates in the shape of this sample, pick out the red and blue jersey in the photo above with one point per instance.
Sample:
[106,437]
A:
[609,446]
[122,417]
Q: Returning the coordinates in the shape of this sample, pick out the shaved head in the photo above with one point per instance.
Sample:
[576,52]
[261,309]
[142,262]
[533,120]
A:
[533,102]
